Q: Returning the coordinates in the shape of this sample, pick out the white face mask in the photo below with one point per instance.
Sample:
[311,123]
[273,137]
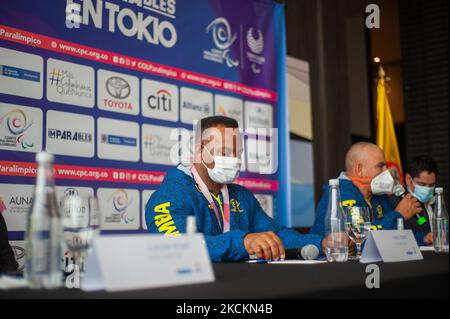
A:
[382,184]
[226,169]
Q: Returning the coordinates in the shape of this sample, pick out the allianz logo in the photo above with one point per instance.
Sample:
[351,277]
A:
[205,108]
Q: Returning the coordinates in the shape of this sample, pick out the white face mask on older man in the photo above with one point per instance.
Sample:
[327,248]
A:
[226,168]
[382,184]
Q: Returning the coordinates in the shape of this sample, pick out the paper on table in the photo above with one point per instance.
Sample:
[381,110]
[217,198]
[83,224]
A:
[131,262]
[390,246]
[426,248]
[297,262]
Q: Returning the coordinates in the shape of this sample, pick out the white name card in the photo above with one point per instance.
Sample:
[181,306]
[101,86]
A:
[129,262]
[391,246]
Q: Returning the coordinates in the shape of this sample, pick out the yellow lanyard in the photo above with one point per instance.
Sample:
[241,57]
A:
[217,198]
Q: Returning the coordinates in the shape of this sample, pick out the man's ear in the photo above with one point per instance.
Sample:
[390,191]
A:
[359,170]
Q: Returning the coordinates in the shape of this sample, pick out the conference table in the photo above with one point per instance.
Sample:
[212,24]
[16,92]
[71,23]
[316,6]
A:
[427,278]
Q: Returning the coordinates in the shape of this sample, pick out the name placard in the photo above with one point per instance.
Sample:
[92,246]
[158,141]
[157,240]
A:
[391,246]
[127,262]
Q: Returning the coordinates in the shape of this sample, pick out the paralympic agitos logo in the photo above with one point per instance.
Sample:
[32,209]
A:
[121,202]
[223,38]
[17,124]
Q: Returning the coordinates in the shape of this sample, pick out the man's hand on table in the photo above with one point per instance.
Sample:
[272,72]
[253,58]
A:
[265,245]
[428,239]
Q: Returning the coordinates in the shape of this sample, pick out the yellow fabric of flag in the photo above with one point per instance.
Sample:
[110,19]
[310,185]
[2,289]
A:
[386,138]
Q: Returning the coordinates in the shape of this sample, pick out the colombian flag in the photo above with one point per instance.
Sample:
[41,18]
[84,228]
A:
[386,138]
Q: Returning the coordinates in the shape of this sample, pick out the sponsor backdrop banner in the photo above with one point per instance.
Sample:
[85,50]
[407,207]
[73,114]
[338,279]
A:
[112,87]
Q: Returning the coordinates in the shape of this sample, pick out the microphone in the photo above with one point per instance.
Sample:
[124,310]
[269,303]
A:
[401,192]
[308,252]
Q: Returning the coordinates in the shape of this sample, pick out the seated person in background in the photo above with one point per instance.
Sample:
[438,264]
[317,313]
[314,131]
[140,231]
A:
[364,163]
[229,215]
[420,179]
[7,261]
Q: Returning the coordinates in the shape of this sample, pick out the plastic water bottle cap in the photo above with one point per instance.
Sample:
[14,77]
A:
[334,182]
[400,224]
[191,226]
[44,157]
[439,190]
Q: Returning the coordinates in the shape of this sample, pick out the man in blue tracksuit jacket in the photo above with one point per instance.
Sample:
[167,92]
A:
[364,163]
[420,180]
[250,231]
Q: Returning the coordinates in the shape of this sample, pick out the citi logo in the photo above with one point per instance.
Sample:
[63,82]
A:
[162,100]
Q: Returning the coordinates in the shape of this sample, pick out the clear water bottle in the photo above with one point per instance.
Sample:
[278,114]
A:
[44,231]
[400,224]
[191,225]
[336,237]
[440,223]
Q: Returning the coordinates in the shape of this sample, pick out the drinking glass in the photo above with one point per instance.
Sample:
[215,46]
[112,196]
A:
[358,222]
[81,223]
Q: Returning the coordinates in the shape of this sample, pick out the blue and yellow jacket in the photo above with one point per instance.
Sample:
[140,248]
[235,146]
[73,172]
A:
[179,197]
[384,216]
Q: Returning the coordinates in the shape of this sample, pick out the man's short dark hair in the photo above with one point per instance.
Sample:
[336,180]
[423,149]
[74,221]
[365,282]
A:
[214,121]
[421,164]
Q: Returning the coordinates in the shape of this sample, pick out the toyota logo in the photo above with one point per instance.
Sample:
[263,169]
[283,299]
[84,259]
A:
[118,88]
[69,192]
[19,253]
